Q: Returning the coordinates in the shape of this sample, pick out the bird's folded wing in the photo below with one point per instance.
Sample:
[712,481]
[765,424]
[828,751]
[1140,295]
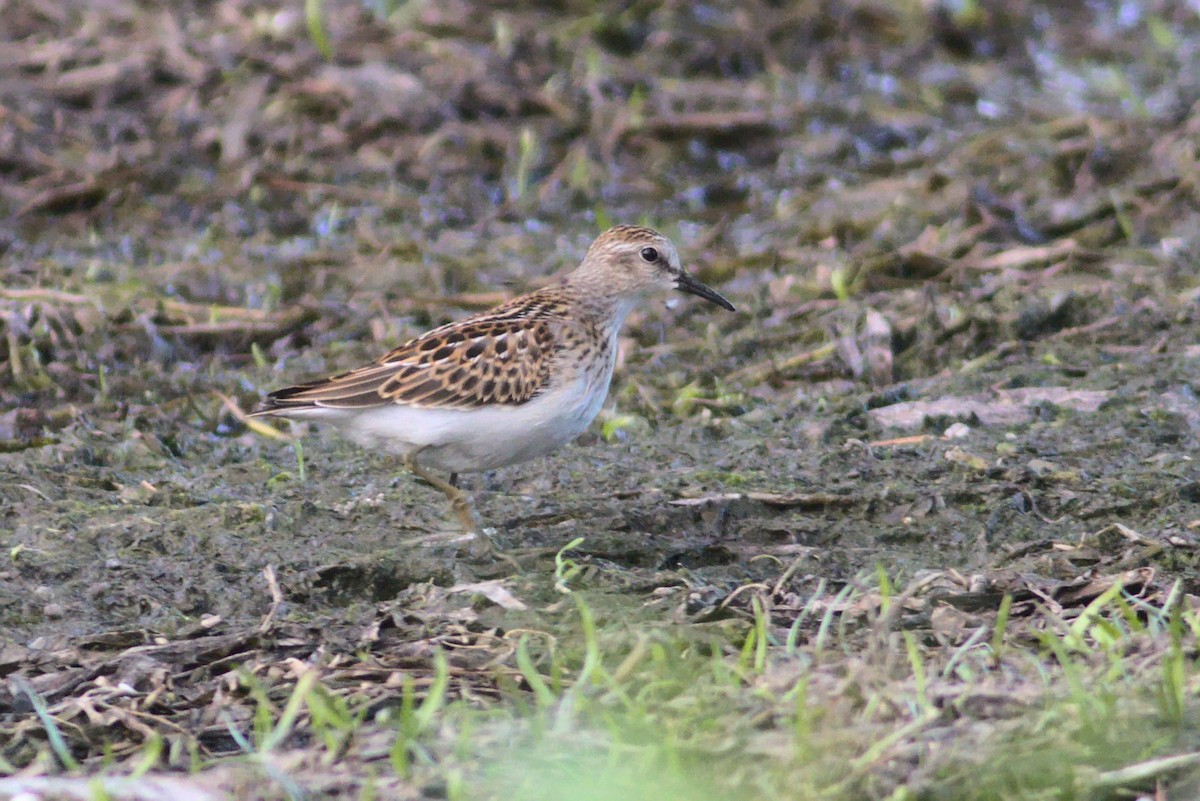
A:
[500,359]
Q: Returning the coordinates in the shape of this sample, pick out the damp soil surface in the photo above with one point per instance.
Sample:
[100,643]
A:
[952,422]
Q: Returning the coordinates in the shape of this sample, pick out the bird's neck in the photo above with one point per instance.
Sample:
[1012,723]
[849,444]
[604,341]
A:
[597,303]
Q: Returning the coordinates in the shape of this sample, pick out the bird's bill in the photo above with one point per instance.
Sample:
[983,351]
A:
[688,284]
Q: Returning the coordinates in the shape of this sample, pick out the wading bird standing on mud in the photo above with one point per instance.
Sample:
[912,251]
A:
[505,385]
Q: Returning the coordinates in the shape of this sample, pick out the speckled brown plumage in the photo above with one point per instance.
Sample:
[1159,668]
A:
[502,356]
[506,385]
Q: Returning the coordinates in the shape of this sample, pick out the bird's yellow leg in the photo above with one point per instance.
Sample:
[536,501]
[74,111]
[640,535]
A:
[461,504]
[459,501]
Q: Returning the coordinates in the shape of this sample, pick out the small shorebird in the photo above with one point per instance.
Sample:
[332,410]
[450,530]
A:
[505,385]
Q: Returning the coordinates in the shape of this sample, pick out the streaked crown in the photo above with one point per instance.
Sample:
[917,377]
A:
[631,259]
[628,260]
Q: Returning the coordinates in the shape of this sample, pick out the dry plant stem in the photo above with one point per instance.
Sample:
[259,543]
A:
[276,598]
[757,373]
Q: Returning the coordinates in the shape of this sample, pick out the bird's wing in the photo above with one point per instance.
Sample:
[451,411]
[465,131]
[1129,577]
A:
[500,357]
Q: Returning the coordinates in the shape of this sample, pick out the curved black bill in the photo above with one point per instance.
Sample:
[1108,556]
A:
[688,284]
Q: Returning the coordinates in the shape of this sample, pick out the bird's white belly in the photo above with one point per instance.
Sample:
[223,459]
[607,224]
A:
[484,438]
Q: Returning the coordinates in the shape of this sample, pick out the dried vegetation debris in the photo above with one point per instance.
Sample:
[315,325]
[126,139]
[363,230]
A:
[117,692]
[244,87]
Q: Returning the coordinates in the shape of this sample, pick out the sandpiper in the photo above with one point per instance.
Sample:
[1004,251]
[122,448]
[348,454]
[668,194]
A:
[505,385]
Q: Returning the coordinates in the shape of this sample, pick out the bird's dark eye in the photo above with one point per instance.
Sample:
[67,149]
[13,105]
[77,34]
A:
[650,255]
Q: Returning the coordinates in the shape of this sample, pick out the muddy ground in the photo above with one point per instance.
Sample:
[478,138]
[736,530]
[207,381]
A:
[962,241]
